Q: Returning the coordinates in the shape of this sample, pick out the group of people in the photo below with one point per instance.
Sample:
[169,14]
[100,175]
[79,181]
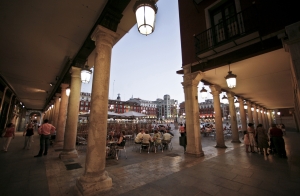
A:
[158,138]
[264,140]
[45,131]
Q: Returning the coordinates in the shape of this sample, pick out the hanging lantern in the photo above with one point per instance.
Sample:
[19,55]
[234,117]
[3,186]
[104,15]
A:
[257,110]
[203,93]
[86,74]
[225,99]
[230,79]
[145,11]
[252,108]
[68,91]
[245,105]
[236,103]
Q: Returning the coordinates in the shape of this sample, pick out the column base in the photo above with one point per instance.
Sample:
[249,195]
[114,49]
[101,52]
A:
[235,141]
[221,146]
[58,144]
[68,154]
[200,154]
[91,186]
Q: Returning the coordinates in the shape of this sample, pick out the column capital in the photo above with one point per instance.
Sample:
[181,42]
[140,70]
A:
[102,35]
[192,79]
[215,89]
[230,94]
[64,85]
[75,72]
[57,95]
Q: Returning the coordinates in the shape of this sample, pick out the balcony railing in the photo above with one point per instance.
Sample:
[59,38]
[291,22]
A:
[234,27]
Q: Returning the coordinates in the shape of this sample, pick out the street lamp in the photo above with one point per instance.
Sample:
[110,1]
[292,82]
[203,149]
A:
[237,103]
[145,11]
[230,79]
[86,74]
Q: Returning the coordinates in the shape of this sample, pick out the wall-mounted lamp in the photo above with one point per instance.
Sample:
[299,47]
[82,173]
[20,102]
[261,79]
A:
[278,113]
[145,11]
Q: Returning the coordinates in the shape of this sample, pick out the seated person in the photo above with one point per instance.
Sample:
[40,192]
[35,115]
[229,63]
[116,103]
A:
[167,136]
[121,141]
[147,138]
[169,131]
[157,137]
[111,135]
[138,139]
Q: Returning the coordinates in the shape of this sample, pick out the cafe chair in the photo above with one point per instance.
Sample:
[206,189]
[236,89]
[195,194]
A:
[136,146]
[119,149]
[156,145]
[167,144]
[146,146]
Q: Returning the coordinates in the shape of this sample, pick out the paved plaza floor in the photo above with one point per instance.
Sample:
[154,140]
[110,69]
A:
[228,171]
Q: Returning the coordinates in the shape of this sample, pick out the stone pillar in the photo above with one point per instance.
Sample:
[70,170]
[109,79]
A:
[233,122]
[51,112]
[8,111]
[61,123]
[69,150]
[56,109]
[255,113]
[269,118]
[3,97]
[215,91]
[95,178]
[260,116]
[250,116]
[190,86]
[243,114]
[264,119]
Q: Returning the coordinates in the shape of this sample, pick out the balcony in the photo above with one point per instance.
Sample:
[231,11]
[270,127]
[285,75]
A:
[234,32]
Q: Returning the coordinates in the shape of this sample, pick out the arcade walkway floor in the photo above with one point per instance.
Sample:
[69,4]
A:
[228,171]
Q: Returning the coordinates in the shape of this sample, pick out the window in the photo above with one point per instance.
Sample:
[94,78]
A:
[224,21]
[86,103]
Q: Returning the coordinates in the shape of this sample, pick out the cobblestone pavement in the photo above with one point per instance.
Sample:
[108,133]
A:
[228,171]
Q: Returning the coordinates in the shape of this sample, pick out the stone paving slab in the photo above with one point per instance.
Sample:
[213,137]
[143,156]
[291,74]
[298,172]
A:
[228,171]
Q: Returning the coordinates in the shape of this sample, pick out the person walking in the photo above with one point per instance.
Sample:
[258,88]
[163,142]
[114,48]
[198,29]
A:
[276,135]
[251,134]
[28,133]
[262,139]
[45,131]
[8,135]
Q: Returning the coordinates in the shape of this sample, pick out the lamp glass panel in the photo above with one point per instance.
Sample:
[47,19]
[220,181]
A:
[145,17]
[231,82]
[203,95]
[236,104]
[85,76]
[245,107]
[68,91]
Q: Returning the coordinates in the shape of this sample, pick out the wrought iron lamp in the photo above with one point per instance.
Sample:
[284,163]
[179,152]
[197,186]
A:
[236,103]
[231,79]
[245,105]
[86,74]
[225,99]
[145,11]
[203,93]
[68,91]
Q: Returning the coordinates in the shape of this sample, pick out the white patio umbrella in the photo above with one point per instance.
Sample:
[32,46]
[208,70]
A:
[133,114]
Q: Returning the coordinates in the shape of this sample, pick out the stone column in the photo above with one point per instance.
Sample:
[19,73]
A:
[51,112]
[243,114]
[56,109]
[190,86]
[215,91]
[269,118]
[69,150]
[250,116]
[233,122]
[264,119]
[61,123]
[95,178]
[3,98]
[255,113]
[260,116]
[8,111]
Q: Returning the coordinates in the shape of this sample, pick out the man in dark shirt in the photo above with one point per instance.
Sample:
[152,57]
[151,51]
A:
[276,135]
